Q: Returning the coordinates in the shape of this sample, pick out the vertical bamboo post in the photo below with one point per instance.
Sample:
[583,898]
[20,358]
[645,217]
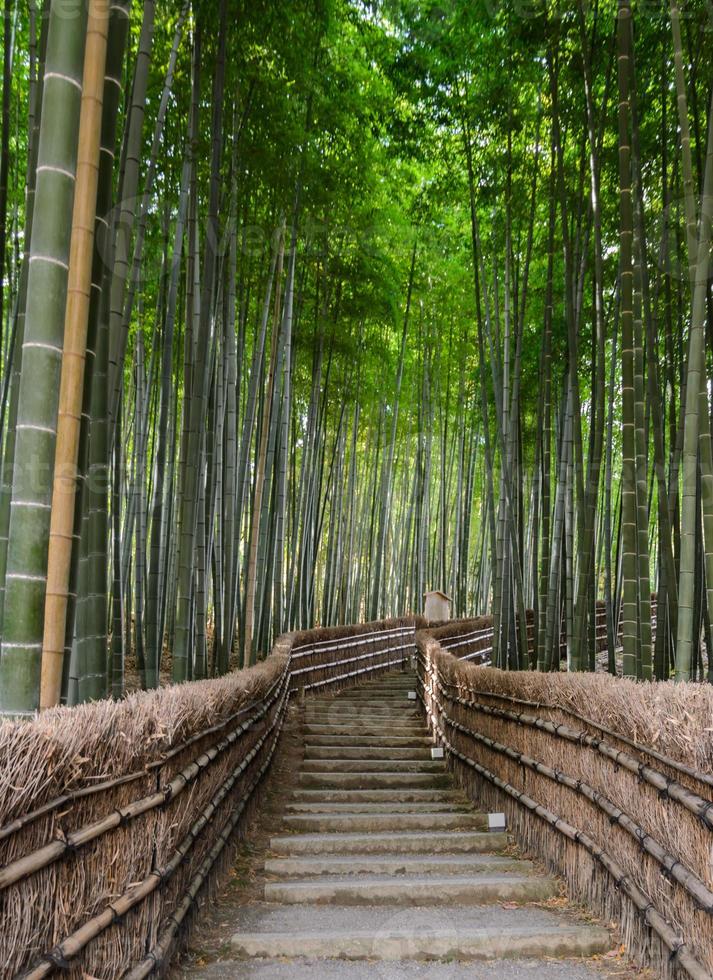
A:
[74,355]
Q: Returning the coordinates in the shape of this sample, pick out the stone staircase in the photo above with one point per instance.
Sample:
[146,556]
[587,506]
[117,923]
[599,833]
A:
[382,861]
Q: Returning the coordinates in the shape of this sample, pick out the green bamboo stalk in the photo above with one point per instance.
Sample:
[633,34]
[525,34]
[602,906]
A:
[23,614]
[694,411]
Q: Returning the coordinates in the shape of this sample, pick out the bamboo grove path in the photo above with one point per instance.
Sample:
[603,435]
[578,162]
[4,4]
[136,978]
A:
[384,869]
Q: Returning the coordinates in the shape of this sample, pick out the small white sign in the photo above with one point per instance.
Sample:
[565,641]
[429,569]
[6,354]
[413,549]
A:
[496,821]
[437,752]
[412,695]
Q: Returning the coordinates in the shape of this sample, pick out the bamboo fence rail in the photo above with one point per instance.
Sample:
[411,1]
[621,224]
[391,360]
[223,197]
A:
[472,639]
[627,825]
[116,815]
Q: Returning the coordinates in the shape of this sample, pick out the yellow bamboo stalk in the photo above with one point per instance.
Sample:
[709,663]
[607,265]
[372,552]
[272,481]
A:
[74,354]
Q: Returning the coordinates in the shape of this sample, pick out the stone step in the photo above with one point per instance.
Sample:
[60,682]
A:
[378,796]
[394,704]
[391,676]
[342,969]
[397,676]
[390,706]
[338,715]
[372,741]
[413,890]
[389,807]
[360,729]
[396,864]
[375,693]
[373,765]
[384,699]
[406,683]
[374,780]
[392,933]
[391,842]
[366,752]
[366,822]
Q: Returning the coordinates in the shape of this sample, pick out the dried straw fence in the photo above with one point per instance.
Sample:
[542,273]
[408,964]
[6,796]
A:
[608,781]
[472,639]
[115,815]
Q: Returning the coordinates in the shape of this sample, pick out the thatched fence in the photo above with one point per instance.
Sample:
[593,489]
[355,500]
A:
[472,639]
[115,815]
[608,781]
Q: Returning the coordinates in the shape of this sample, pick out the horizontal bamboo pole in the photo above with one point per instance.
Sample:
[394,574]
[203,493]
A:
[667,787]
[76,942]
[355,673]
[666,760]
[44,856]
[672,867]
[66,799]
[653,918]
[328,646]
[351,660]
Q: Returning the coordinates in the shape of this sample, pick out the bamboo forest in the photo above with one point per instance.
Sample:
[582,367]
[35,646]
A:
[373,298]
[339,330]
[308,308]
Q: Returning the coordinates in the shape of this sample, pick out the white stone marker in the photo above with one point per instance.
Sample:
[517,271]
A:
[412,695]
[496,821]
[437,752]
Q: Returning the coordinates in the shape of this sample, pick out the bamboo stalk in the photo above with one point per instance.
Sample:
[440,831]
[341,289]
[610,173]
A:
[74,355]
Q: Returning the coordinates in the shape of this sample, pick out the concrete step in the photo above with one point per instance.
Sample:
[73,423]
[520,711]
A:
[373,765]
[374,780]
[396,864]
[413,890]
[367,728]
[372,741]
[352,716]
[391,842]
[366,752]
[389,807]
[385,699]
[393,933]
[394,707]
[378,686]
[378,796]
[351,823]
[394,704]
[405,683]
[342,969]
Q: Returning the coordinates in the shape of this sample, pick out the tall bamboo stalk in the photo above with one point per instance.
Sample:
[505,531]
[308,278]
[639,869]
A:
[74,356]
[26,576]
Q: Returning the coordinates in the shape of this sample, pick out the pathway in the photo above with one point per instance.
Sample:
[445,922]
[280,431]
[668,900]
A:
[383,864]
